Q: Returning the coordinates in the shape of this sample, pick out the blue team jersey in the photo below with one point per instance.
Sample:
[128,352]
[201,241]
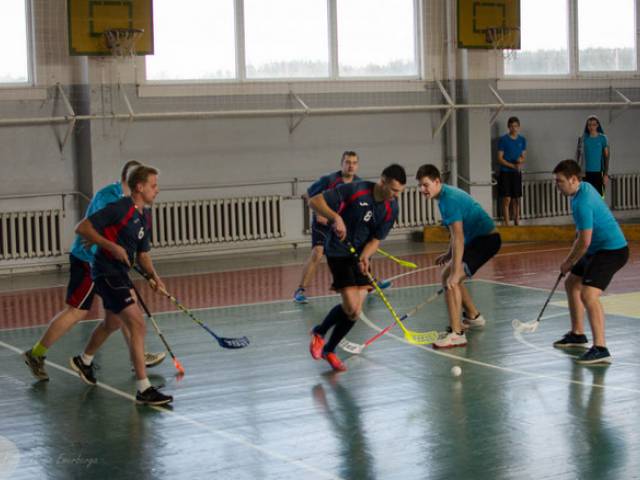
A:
[594,152]
[364,218]
[109,194]
[458,206]
[590,212]
[122,223]
[324,183]
[512,149]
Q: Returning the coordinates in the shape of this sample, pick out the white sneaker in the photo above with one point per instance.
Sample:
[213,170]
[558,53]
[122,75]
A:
[152,359]
[450,339]
[477,322]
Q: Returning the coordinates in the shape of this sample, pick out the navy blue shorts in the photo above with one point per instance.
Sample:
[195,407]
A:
[346,273]
[80,289]
[510,184]
[598,269]
[319,234]
[115,292]
[479,251]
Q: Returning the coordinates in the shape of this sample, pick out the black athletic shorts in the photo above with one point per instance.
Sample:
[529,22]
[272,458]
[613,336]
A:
[596,179]
[479,251]
[319,233]
[80,289]
[346,273]
[115,292]
[510,184]
[598,269]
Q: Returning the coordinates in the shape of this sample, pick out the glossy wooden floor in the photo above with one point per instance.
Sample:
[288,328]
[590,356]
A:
[520,409]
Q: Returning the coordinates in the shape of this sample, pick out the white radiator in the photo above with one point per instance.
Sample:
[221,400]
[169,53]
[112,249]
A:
[414,210]
[196,222]
[30,234]
[541,199]
[625,189]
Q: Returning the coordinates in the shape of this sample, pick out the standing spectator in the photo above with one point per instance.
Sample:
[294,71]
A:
[593,154]
[512,149]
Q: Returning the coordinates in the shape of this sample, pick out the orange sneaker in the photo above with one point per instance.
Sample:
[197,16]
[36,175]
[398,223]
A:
[335,362]
[315,347]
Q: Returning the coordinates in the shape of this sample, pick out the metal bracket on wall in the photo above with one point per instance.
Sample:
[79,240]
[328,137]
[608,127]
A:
[499,109]
[132,114]
[613,115]
[449,111]
[71,116]
[294,124]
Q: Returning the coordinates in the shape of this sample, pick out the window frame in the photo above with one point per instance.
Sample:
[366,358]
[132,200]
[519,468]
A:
[30,81]
[574,53]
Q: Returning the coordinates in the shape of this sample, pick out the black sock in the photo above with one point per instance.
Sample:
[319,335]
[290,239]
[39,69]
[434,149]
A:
[332,318]
[339,332]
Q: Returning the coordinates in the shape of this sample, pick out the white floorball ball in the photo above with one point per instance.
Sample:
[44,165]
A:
[456,371]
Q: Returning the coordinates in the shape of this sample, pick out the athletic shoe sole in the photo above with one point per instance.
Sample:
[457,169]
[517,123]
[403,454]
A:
[584,346]
[453,345]
[154,404]
[599,361]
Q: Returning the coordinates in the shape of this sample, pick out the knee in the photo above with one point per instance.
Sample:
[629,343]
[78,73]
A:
[351,311]
[316,254]
[589,298]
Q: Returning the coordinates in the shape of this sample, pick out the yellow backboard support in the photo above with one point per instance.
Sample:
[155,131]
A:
[479,19]
[88,20]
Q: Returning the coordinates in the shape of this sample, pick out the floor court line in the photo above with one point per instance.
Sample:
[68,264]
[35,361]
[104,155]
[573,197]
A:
[471,361]
[221,433]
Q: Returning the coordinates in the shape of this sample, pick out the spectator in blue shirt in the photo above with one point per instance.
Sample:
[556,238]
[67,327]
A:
[593,154]
[512,150]
[598,252]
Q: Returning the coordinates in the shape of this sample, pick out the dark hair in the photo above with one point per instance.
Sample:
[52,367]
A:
[428,170]
[140,175]
[127,167]
[347,153]
[395,172]
[513,120]
[586,125]
[568,168]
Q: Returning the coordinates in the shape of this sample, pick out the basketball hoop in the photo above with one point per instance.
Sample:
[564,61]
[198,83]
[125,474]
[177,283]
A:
[506,39]
[122,41]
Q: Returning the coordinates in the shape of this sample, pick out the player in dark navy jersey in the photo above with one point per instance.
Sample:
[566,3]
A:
[319,226]
[361,213]
[122,231]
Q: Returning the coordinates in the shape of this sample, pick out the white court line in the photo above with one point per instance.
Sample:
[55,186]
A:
[221,433]
[556,378]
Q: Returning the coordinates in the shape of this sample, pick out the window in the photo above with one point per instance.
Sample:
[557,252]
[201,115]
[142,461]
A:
[283,39]
[14,48]
[544,39]
[606,35]
[376,37]
[193,40]
[286,38]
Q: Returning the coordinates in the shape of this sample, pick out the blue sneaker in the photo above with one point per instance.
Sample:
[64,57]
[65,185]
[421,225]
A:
[384,284]
[299,296]
[595,355]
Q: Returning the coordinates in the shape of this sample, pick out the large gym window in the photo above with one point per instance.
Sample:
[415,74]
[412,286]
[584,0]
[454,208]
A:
[193,40]
[376,37]
[14,47]
[606,35]
[544,39]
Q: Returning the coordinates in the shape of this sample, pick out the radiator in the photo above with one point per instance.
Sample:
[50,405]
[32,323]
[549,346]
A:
[414,210]
[625,190]
[30,234]
[196,222]
[541,199]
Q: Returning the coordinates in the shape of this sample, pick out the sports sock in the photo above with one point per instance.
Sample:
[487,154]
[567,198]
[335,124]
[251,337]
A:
[86,359]
[39,350]
[143,384]
[339,332]
[332,318]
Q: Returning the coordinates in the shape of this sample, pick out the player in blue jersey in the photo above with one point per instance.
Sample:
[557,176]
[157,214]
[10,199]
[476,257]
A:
[361,213]
[474,240]
[512,150]
[598,252]
[593,154]
[80,290]
[319,228]
[122,232]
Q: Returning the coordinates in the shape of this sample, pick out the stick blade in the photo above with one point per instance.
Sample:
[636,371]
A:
[233,343]
[178,366]
[421,338]
[350,347]
[524,327]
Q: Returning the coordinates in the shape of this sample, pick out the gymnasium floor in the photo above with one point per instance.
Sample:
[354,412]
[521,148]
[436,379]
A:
[520,409]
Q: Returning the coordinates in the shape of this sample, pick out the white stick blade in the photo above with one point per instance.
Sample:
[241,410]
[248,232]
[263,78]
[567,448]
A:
[350,347]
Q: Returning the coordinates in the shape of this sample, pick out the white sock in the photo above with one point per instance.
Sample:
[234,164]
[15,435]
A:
[87,359]
[143,384]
